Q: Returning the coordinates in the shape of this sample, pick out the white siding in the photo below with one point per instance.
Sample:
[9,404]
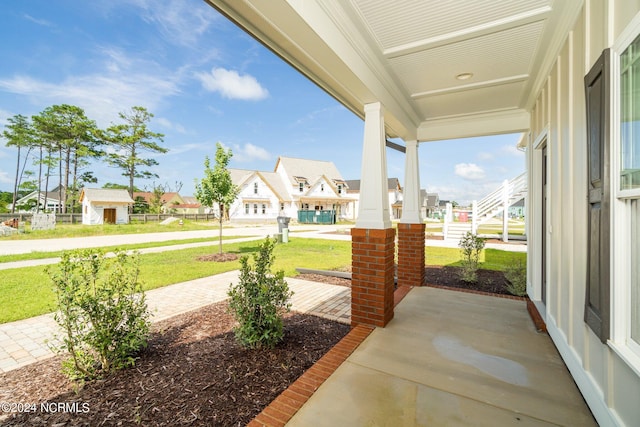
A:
[610,387]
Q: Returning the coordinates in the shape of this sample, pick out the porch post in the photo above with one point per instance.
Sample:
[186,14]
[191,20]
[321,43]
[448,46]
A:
[411,230]
[372,238]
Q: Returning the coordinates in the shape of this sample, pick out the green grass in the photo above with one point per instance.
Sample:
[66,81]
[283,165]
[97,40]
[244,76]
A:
[56,254]
[80,230]
[27,292]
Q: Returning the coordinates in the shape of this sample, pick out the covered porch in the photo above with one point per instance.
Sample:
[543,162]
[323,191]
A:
[447,359]
[419,71]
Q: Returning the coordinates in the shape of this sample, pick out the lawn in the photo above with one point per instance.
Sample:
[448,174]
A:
[45,255]
[80,230]
[27,292]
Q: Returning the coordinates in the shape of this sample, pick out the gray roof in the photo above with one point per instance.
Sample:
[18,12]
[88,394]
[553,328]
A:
[106,195]
[312,170]
[353,185]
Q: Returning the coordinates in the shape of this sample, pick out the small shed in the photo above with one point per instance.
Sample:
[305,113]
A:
[105,206]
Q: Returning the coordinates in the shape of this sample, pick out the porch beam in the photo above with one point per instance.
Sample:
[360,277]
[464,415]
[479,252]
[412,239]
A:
[493,123]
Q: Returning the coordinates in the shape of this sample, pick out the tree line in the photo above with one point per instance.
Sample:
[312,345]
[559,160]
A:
[61,141]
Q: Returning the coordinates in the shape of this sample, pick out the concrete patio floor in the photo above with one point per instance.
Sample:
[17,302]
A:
[450,359]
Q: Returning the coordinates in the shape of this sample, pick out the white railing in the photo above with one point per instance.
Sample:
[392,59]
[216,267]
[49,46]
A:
[500,199]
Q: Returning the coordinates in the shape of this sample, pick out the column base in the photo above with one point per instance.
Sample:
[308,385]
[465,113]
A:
[372,277]
[411,258]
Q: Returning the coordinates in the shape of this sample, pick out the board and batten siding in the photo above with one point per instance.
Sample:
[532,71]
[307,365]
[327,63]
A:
[558,120]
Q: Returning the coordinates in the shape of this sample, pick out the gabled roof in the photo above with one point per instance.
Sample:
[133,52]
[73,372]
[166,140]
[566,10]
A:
[271,179]
[353,185]
[106,195]
[310,170]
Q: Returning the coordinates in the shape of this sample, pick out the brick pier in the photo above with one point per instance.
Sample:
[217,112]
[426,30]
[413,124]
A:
[411,258]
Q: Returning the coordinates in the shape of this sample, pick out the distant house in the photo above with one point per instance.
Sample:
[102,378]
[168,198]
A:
[169,201]
[298,188]
[430,203]
[190,205]
[49,201]
[395,197]
[105,206]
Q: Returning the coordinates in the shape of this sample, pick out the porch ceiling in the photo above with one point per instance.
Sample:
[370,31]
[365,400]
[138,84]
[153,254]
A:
[408,54]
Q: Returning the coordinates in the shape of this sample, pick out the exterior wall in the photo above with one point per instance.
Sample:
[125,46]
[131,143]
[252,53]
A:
[248,195]
[93,213]
[610,386]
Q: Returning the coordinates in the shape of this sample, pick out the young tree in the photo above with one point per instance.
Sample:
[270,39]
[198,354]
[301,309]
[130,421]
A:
[217,186]
[130,140]
[19,134]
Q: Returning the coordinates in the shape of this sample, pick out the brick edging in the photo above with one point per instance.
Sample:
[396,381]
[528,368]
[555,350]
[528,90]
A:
[473,291]
[284,407]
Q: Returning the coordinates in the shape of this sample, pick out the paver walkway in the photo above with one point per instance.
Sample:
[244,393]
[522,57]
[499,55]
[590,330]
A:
[26,341]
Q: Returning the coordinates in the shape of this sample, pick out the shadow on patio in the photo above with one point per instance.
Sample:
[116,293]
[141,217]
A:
[450,358]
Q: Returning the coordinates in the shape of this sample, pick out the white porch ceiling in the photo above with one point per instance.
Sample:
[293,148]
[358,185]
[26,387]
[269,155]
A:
[407,54]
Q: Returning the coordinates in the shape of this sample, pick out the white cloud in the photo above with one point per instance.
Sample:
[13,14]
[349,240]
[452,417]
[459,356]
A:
[101,96]
[42,22]
[179,22]
[230,84]
[469,171]
[249,152]
[185,148]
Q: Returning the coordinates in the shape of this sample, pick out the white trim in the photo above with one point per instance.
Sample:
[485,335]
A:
[621,342]
[542,136]
[591,393]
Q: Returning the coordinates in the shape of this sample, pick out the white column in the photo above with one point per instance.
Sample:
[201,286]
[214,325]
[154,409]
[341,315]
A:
[374,200]
[411,195]
[505,210]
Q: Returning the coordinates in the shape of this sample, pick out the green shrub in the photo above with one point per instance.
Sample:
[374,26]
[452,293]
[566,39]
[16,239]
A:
[470,246]
[516,274]
[101,310]
[259,300]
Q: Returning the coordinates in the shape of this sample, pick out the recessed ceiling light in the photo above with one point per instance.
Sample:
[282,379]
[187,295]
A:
[464,76]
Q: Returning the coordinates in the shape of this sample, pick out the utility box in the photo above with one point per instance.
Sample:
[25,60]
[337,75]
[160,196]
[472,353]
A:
[283,222]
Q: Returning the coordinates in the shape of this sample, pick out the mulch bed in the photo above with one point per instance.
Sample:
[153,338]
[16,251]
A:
[223,257]
[193,373]
[489,281]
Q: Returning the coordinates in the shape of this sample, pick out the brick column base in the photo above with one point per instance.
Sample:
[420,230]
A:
[411,259]
[372,278]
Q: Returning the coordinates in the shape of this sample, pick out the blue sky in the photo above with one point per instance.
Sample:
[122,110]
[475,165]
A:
[205,81]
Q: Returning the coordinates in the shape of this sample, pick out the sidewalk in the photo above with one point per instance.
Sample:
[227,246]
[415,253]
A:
[25,341]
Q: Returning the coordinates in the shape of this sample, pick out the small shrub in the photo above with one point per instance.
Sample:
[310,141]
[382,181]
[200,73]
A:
[101,310]
[259,300]
[516,274]
[471,246]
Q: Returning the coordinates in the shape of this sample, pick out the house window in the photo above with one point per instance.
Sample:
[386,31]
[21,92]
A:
[321,187]
[246,208]
[255,209]
[339,188]
[625,205]
[301,186]
[255,188]
[630,117]
[264,209]
[281,206]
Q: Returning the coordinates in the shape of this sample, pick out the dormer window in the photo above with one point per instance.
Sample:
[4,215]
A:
[301,186]
[339,188]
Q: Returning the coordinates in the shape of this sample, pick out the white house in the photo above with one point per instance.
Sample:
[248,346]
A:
[394,192]
[49,201]
[105,206]
[306,190]
[563,73]
[262,196]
